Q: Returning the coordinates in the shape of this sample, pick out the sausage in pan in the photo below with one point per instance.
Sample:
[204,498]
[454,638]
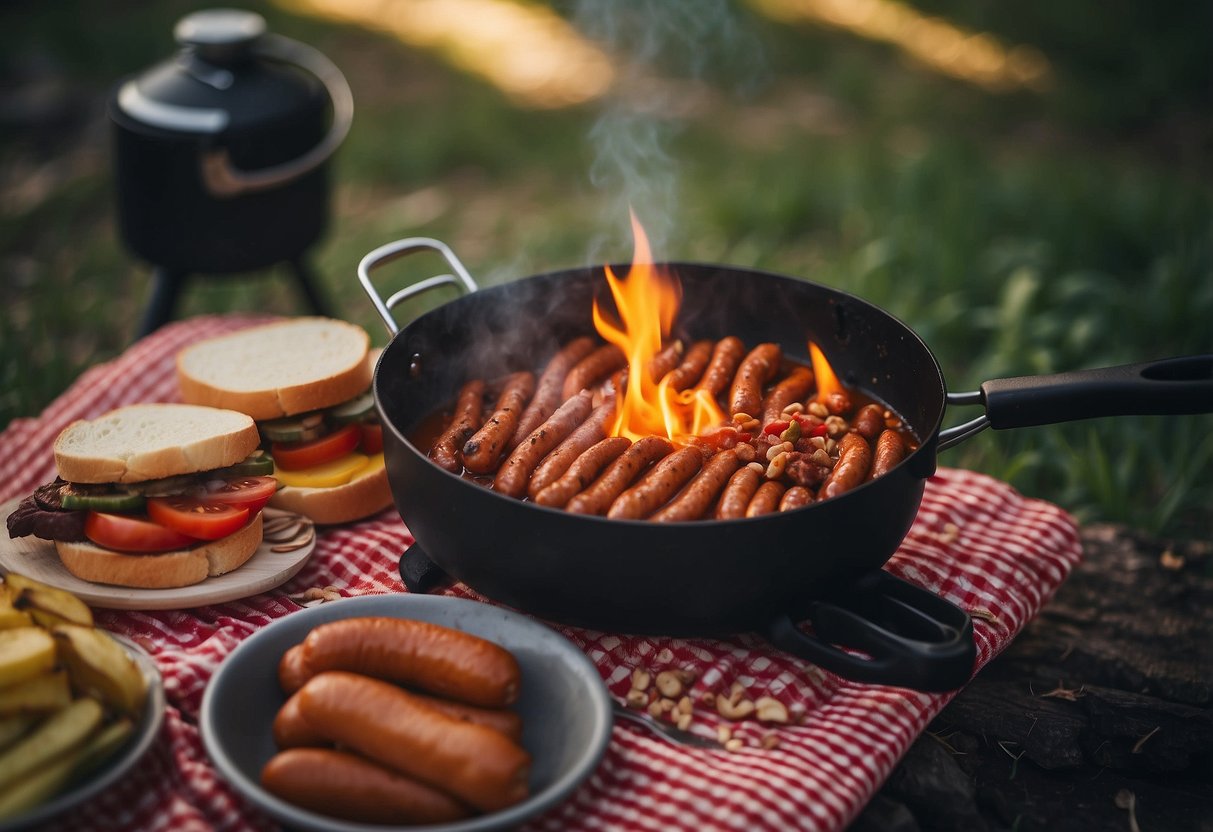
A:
[514,473]
[549,387]
[344,785]
[854,459]
[430,657]
[552,466]
[795,497]
[756,369]
[391,726]
[693,364]
[869,421]
[737,493]
[658,486]
[725,357]
[765,499]
[665,361]
[695,500]
[794,387]
[890,450]
[484,449]
[597,365]
[619,475]
[464,421]
[582,471]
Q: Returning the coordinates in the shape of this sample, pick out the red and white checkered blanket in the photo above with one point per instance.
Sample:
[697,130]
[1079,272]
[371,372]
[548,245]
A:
[976,542]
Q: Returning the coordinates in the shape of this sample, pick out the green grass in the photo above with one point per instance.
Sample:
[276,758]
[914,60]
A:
[1017,234]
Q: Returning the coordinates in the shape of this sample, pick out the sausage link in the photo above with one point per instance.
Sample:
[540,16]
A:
[464,421]
[658,486]
[854,459]
[619,475]
[869,421]
[291,729]
[765,499]
[549,387]
[292,670]
[344,785]
[794,387]
[429,657]
[890,450]
[581,471]
[589,432]
[737,494]
[725,357]
[482,452]
[695,500]
[756,369]
[514,473]
[665,361]
[501,720]
[597,365]
[795,497]
[693,364]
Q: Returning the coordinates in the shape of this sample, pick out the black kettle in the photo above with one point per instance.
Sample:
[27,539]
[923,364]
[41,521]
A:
[220,152]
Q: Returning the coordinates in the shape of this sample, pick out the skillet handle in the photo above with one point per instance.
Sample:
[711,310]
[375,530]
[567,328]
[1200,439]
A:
[914,638]
[395,250]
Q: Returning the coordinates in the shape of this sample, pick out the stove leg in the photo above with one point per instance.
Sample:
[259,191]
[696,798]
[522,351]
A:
[166,287]
[310,288]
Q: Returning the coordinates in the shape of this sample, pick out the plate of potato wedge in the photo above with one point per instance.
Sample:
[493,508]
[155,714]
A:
[79,706]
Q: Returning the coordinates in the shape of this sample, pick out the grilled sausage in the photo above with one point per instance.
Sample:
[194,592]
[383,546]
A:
[695,500]
[665,361]
[291,730]
[619,475]
[292,671]
[726,355]
[484,449]
[792,388]
[597,365]
[514,473]
[344,785]
[391,726]
[755,370]
[464,421]
[838,402]
[589,432]
[854,459]
[549,387]
[795,497]
[691,369]
[890,450]
[581,472]
[658,486]
[429,657]
[869,421]
[765,499]
[737,493]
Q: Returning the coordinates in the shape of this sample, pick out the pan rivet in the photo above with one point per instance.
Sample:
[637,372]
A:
[415,365]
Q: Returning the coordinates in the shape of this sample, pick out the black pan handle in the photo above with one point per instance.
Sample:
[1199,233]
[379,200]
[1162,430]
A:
[1171,386]
[912,638]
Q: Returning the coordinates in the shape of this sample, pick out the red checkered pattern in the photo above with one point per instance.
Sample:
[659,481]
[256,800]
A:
[975,542]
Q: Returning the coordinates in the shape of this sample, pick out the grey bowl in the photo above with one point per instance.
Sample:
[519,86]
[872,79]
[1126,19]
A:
[565,707]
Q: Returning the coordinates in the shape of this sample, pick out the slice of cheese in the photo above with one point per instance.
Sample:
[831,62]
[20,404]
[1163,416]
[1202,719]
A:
[326,475]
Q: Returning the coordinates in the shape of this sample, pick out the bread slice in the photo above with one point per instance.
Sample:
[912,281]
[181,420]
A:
[364,495]
[278,369]
[149,441]
[166,570]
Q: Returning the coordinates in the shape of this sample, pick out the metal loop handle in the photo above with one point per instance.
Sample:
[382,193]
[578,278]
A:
[225,180]
[391,251]
[952,436]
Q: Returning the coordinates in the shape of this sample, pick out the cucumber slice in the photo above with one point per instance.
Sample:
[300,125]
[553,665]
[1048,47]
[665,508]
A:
[294,428]
[355,410]
[114,502]
[256,464]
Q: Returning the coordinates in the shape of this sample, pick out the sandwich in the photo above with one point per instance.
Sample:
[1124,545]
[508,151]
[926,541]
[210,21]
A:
[153,496]
[306,381]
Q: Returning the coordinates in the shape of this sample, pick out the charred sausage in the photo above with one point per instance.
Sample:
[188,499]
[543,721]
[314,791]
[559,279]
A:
[658,486]
[726,355]
[765,499]
[549,387]
[695,500]
[482,452]
[794,387]
[795,497]
[869,421]
[597,365]
[582,471]
[391,726]
[515,472]
[890,450]
[619,475]
[429,657]
[552,466]
[344,785]
[854,459]
[737,493]
[755,370]
[691,369]
[464,421]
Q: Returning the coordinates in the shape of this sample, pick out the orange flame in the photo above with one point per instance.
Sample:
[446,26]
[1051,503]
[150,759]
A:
[827,381]
[647,302]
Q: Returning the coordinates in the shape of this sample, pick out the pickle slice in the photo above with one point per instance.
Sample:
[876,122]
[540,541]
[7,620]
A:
[256,464]
[293,428]
[113,502]
[355,410]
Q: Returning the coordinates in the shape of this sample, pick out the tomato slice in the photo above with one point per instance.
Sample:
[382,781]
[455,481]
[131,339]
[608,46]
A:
[251,493]
[372,438]
[132,533]
[196,518]
[295,456]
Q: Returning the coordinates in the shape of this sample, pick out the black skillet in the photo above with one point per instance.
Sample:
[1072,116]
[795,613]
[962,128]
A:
[821,562]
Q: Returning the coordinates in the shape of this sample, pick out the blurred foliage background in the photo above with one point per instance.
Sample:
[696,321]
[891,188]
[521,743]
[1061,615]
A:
[1024,184]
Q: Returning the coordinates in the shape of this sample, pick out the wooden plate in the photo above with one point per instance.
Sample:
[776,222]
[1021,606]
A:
[265,570]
